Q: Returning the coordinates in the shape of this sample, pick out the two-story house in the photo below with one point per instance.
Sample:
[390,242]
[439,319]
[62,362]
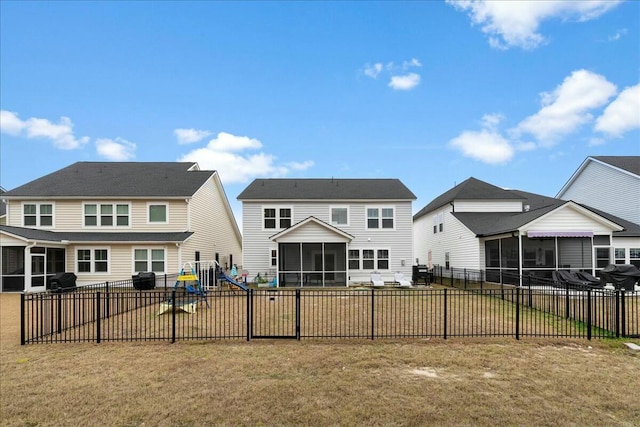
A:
[106,221]
[327,232]
[477,225]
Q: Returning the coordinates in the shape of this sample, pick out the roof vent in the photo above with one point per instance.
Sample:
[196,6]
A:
[526,208]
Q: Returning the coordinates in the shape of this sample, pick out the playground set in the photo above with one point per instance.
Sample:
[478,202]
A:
[188,291]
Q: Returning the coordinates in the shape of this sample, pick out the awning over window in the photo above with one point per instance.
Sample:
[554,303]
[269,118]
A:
[534,234]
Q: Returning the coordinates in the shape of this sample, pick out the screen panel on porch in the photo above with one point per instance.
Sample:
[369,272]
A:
[312,264]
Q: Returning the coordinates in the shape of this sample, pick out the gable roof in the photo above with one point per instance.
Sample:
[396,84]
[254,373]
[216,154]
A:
[326,189]
[627,164]
[117,179]
[87,237]
[314,220]
[470,189]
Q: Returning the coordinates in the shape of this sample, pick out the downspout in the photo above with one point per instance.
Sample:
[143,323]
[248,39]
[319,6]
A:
[179,247]
[520,256]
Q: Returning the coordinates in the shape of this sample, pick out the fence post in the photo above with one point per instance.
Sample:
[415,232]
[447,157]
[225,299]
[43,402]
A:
[98,326]
[165,282]
[373,317]
[107,300]
[59,313]
[589,314]
[566,302]
[464,272]
[298,314]
[173,316]
[22,319]
[452,277]
[517,313]
[623,313]
[445,314]
[617,295]
[249,313]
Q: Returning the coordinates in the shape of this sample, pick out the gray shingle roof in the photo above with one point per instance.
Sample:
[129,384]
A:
[326,189]
[627,163]
[3,205]
[470,189]
[116,179]
[117,237]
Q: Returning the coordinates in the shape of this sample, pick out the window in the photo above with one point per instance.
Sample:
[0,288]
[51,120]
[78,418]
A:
[106,215]
[274,257]
[158,213]
[634,256]
[383,259]
[380,218]
[149,260]
[602,257]
[619,256]
[339,216]
[285,218]
[372,259]
[269,218]
[368,261]
[446,260]
[354,259]
[435,229]
[37,215]
[92,261]
[280,217]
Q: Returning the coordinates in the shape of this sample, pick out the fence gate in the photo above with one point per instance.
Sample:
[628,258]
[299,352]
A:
[275,313]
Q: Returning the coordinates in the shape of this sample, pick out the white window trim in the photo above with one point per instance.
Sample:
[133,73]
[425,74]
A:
[375,258]
[149,260]
[359,259]
[115,216]
[273,248]
[92,250]
[277,217]
[149,204]
[39,215]
[332,207]
[380,217]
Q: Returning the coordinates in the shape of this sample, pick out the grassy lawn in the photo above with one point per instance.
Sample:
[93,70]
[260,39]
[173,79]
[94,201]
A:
[482,381]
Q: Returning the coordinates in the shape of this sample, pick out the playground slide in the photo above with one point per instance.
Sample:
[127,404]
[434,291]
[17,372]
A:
[227,278]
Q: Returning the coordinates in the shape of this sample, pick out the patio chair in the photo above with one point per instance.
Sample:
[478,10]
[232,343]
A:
[399,279]
[376,279]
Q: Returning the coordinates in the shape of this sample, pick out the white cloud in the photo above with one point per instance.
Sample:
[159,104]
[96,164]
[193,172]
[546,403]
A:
[622,115]
[567,107]
[485,145]
[621,32]
[10,123]
[373,70]
[118,149]
[61,134]
[223,154]
[405,82]
[491,121]
[189,136]
[515,23]
[413,63]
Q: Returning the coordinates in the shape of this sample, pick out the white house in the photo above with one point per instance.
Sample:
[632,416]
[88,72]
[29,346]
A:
[106,221]
[608,183]
[477,225]
[327,232]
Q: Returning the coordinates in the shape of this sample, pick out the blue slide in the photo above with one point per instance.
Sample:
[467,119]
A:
[224,277]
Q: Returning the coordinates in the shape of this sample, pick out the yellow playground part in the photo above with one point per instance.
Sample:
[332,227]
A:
[187,291]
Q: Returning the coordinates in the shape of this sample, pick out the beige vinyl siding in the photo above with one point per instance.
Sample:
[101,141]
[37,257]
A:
[568,219]
[121,263]
[488,206]
[312,233]
[608,189]
[214,230]
[12,241]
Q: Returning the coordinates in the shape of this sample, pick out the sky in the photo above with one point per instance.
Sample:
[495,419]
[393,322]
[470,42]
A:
[517,94]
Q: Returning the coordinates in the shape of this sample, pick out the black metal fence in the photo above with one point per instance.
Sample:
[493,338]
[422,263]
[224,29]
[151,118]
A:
[483,309]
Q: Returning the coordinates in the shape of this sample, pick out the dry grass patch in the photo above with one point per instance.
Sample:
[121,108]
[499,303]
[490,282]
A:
[347,382]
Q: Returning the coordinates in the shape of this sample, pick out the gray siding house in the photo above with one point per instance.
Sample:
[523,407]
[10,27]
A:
[477,225]
[327,232]
[106,221]
[608,183]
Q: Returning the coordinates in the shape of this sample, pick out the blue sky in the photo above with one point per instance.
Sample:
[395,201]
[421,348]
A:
[517,94]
